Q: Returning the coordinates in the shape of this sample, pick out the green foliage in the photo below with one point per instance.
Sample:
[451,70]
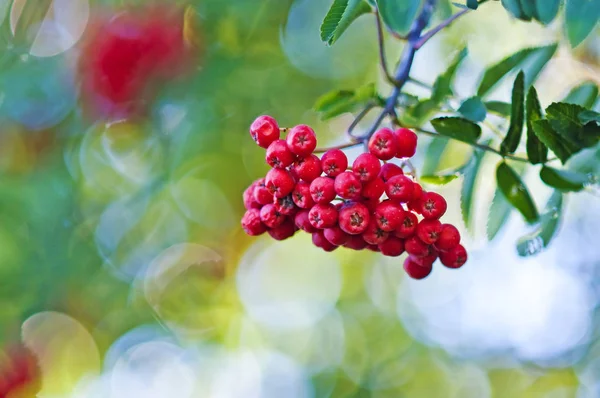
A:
[336,102]
[517,117]
[473,109]
[439,179]
[581,18]
[473,4]
[551,139]
[564,180]
[467,192]
[515,191]
[584,95]
[499,107]
[339,17]
[546,10]
[398,15]
[457,128]
[537,152]
[546,229]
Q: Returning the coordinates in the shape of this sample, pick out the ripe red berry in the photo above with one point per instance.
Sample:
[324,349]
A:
[454,258]
[323,215]
[336,236]
[388,215]
[429,231]
[348,186]
[383,144]
[301,195]
[433,205]
[252,224]
[407,143]
[319,240]
[286,230]
[301,220]
[414,270]
[428,260]
[392,247]
[270,216]
[285,205]
[264,130]
[308,168]
[279,182]
[249,201]
[278,155]
[334,162]
[261,193]
[408,225]
[373,248]
[374,235]
[354,218]
[366,167]
[373,189]
[415,203]
[399,188]
[356,242]
[302,140]
[390,170]
[322,190]
[416,247]
[449,238]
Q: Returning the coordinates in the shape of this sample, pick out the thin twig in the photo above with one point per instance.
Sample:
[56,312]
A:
[381,45]
[419,83]
[358,119]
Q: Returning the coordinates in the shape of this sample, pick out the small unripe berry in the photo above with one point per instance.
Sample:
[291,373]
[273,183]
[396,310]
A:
[279,182]
[454,258]
[408,225]
[286,230]
[286,205]
[270,216]
[356,242]
[301,195]
[390,170]
[373,189]
[308,168]
[416,247]
[383,144]
[374,235]
[319,240]
[249,201]
[407,143]
[429,231]
[399,188]
[322,190]
[449,238]
[392,247]
[301,220]
[334,162]
[252,224]
[278,155]
[348,186]
[414,270]
[336,236]
[323,215]
[366,167]
[261,193]
[301,140]
[388,215]
[354,218]
[433,205]
[264,130]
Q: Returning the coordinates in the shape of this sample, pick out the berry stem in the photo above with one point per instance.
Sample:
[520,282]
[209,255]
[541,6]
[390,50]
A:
[381,45]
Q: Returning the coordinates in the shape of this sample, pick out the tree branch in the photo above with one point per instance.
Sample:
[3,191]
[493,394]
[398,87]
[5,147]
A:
[381,44]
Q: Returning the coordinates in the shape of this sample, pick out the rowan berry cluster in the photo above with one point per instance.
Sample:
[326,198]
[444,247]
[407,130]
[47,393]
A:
[366,205]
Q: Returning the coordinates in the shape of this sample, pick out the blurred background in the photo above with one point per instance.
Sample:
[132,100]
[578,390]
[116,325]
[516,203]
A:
[123,268]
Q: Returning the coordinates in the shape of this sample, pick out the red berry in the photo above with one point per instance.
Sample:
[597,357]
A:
[301,140]
[301,195]
[285,205]
[374,235]
[264,130]
[334,162]
[383,144]
[390,170]
[399,188]
[286,230]
[279,182]
[322,190]
[261,193]
[454,258]
[415,203]
[433,205]
[366,167]
[415,270]
[388,215]
[407,226]
[429,231]
[319,240]
[407,143]
[348,186]
[301,220]
[392,247]
[323,215]
[249,201]
[278,155]
[449,238]
[416,247]
[373,248]
[252,224]
[270,216]
[428,260]
[371,203]
[308,168]
[373,189]
[336,236]
[354,218]
[356,242]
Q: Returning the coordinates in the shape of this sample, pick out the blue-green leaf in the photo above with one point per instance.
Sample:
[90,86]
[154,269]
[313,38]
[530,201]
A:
[457,128]
[585,95]
[581,18]
[515,191]
[398,15]
[546,10]
[499,212]
[499,107]
[514,7]
[517,117]
[472,4]
[443,84]
[473,109]
[589,116]
[339,17]
[435,150]
[467,190]
[564,180]
[537,152]
[539,239]
[528,8]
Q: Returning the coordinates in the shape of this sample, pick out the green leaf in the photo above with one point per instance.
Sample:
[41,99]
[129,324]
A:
[546,10]
[517,118]
[537,152]
[336,102]
[339,17]
[467,190]
[513,189]
[398,15]
[457,128]
[530,60]
[544,131]
[528,8]
[443,84]
[418,114]
[589,116]
[564,118]
[502,108]
[514,7]
[564,180]
[500,209]
[472,4]
[585,95]
[473,109]
[441,179]
[435,150]
[539,239]
[581,18]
